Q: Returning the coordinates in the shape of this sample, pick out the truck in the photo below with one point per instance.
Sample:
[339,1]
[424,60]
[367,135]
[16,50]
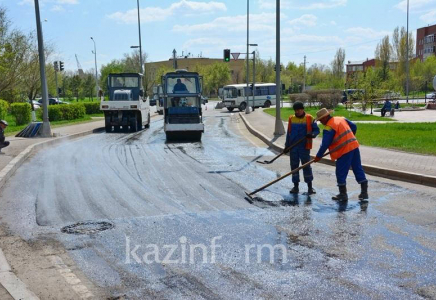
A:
[158,98]
[127,106]
[183,118]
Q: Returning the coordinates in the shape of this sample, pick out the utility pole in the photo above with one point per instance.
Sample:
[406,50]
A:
[247,107]
[46,130]
[96,73]
[279,128]
[304,77]
[174,59]
[407,55]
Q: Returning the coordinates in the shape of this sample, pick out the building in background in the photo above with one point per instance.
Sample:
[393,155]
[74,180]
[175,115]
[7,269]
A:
[426,42]
[359,66]
[190,63]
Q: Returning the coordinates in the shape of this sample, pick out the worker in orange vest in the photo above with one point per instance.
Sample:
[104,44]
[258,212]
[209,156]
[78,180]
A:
[339,138]
[301,125]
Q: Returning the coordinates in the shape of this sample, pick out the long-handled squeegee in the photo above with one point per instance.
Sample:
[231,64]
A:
[266,162]
[249,195]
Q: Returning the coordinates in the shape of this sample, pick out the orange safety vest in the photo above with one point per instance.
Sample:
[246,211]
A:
[344,140]
[309,121]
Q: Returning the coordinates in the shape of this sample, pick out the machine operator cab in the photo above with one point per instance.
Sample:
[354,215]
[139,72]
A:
[182,105]
[126,105]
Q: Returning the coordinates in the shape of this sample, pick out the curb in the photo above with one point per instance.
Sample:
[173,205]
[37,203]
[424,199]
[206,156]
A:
[15,287]
[426,180]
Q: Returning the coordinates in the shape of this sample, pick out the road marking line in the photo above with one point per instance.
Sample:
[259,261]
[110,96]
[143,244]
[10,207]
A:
[15,287]
[76,284]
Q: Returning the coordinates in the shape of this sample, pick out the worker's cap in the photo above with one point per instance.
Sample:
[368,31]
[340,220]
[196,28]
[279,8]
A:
[298,105]
[4,122]
[323,112]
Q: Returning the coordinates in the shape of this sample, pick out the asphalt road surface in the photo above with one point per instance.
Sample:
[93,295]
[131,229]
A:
[174,222]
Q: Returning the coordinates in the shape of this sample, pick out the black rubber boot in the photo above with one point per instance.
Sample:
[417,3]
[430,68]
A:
[310,189]
[342,196]
[295,189]
[364,191]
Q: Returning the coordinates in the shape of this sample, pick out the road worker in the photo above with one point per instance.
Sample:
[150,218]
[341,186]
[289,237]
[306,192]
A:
[339,138]
[301,125]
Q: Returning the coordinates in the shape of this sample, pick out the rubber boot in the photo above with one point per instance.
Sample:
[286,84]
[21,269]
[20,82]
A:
[295,189]
[310,189]
[342,196]
[364,191]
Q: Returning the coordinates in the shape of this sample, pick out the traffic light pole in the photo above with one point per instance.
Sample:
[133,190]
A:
[46,130]
[56,79]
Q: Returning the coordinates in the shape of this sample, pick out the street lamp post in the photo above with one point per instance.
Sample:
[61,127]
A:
[407,55]
[279,128]
[247,107]
[46,130]
[140,45]
[96,76]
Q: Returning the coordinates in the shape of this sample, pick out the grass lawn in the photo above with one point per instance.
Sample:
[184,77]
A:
[14,129]
[409,137]
[339,111]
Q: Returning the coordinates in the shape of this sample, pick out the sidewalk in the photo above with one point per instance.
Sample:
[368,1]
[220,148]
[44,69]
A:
[19,144]
[376,157]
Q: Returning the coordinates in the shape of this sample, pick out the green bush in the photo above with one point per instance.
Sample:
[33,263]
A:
[302,97]
[92,108]
[60,112]
[72,111]
[4,106]
[21,112]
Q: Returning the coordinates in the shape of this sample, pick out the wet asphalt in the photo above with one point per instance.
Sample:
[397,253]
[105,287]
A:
[159,197]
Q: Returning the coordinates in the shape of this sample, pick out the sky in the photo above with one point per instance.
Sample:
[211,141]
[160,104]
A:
[314,28]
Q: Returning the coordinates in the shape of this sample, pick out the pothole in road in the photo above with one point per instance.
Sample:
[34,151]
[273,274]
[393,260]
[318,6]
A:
[87,227]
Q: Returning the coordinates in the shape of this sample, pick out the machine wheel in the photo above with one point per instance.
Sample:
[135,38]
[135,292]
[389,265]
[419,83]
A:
[117,128]
[169,136]
[267,104]
[148,121]
[134,124]
[108,128]
[139,123]
[242,106]
[230,109]
[197,136]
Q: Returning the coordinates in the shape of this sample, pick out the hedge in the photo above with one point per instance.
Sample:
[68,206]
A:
[21,112]
[60,112]
[4,106]
[92,108]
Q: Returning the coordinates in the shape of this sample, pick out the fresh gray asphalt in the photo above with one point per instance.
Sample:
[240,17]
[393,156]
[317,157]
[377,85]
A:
[183,194]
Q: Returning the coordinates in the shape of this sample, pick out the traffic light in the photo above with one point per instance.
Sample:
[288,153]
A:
[61,65]
[55,65]
[226,55]
[275,68]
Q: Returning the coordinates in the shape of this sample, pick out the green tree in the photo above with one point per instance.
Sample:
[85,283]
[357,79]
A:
[383,54]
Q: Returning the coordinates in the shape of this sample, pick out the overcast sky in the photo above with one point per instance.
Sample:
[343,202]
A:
[309,27]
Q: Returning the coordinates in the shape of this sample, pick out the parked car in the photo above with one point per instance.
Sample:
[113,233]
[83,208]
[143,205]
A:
[431,96]
[350,94]
[391,95]
[36,104]
[52,101]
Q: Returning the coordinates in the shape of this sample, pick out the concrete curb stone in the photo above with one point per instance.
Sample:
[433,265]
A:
[371,170]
